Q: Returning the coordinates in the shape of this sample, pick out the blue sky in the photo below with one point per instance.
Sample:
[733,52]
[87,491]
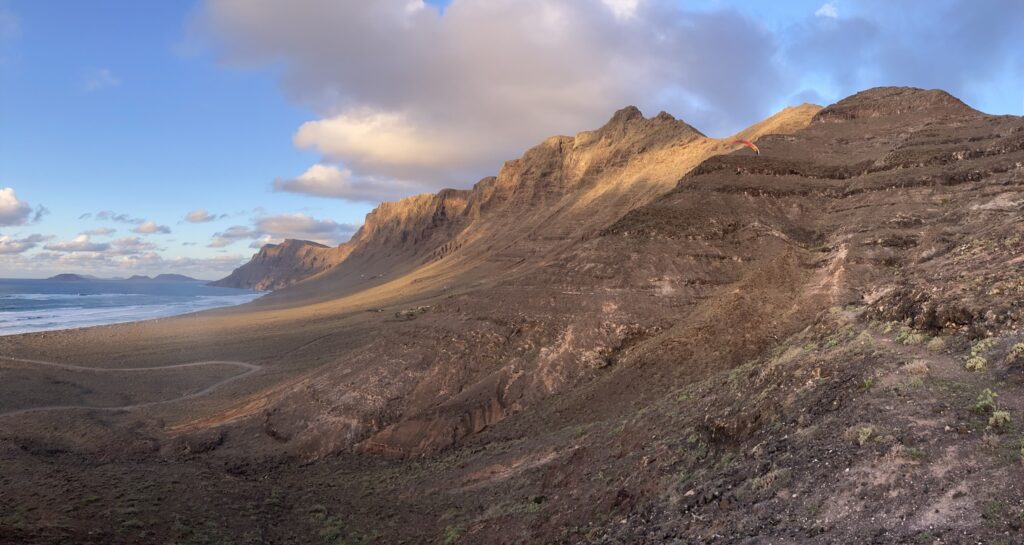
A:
[292,119]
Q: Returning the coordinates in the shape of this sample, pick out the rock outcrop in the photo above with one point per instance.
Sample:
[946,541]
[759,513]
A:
[279,265]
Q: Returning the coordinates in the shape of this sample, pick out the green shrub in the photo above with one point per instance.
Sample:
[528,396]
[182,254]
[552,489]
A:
[976,363]
[981,347]
[1017,352]
[986,401]
[908,336]
[864,435]
[999,420]
[451,535]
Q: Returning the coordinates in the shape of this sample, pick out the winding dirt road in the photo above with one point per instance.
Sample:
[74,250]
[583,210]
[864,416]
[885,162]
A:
[250,368]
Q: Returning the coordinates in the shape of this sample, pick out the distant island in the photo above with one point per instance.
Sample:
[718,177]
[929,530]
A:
[136,278]
[71,278]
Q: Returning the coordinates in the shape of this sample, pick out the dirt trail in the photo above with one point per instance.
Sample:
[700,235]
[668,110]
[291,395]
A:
[249,367]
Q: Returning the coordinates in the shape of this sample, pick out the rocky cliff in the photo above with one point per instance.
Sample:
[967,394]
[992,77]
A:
[278,265]
[559,192]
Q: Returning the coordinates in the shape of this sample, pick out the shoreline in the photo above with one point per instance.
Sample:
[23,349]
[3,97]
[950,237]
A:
[73,318]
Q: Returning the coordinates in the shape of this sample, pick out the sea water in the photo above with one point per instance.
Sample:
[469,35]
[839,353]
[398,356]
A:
[44,305]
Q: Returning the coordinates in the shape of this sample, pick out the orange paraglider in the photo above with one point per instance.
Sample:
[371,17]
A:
[748,144]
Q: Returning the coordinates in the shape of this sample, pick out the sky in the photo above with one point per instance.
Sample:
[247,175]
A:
[151,137]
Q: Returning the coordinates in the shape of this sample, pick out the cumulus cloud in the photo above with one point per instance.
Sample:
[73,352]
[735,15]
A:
[81,243]
[151,228]
[623,9]
[108,215]
[10,245]
[232,235]
[100,78]
[404,92]
[113,264]
[275,228]
[200,215]
[305,227]
[131,245]
[322,180]
[12,210]
[100,231]
[444,100]
[827,10]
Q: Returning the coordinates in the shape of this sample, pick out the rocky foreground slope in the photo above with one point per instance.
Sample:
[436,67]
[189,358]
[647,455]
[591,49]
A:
[821,344]
[691,353]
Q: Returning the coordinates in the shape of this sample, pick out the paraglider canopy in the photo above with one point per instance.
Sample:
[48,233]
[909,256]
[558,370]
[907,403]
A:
[748,144]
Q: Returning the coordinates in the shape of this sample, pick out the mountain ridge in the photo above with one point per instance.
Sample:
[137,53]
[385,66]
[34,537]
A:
[555,182]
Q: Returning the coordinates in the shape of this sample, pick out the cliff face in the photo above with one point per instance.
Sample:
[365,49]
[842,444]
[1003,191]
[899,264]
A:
[278,265]
[558,193]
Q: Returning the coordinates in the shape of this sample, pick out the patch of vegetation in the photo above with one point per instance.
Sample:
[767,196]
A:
[976,361]
[914,453]
[1017,352]
[451,535]
[1000,420]
[936,345]
[986,401]
[771,481]
[868,383]
[907,336]
[864,435]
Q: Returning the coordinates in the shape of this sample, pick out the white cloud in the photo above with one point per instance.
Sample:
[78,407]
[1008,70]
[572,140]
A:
[827,10]
[275,228]
[408,94]
[232,235]
[378,139]
[100,78]
[200,215]
[111,264]
[322,180]
[623,9]
[151,228]
[100,231]
[13,211]
[109,215]
[10,245]
[132,245]
[305,227]
[81,243]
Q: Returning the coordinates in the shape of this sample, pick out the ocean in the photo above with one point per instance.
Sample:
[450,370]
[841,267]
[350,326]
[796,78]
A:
[44,305]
